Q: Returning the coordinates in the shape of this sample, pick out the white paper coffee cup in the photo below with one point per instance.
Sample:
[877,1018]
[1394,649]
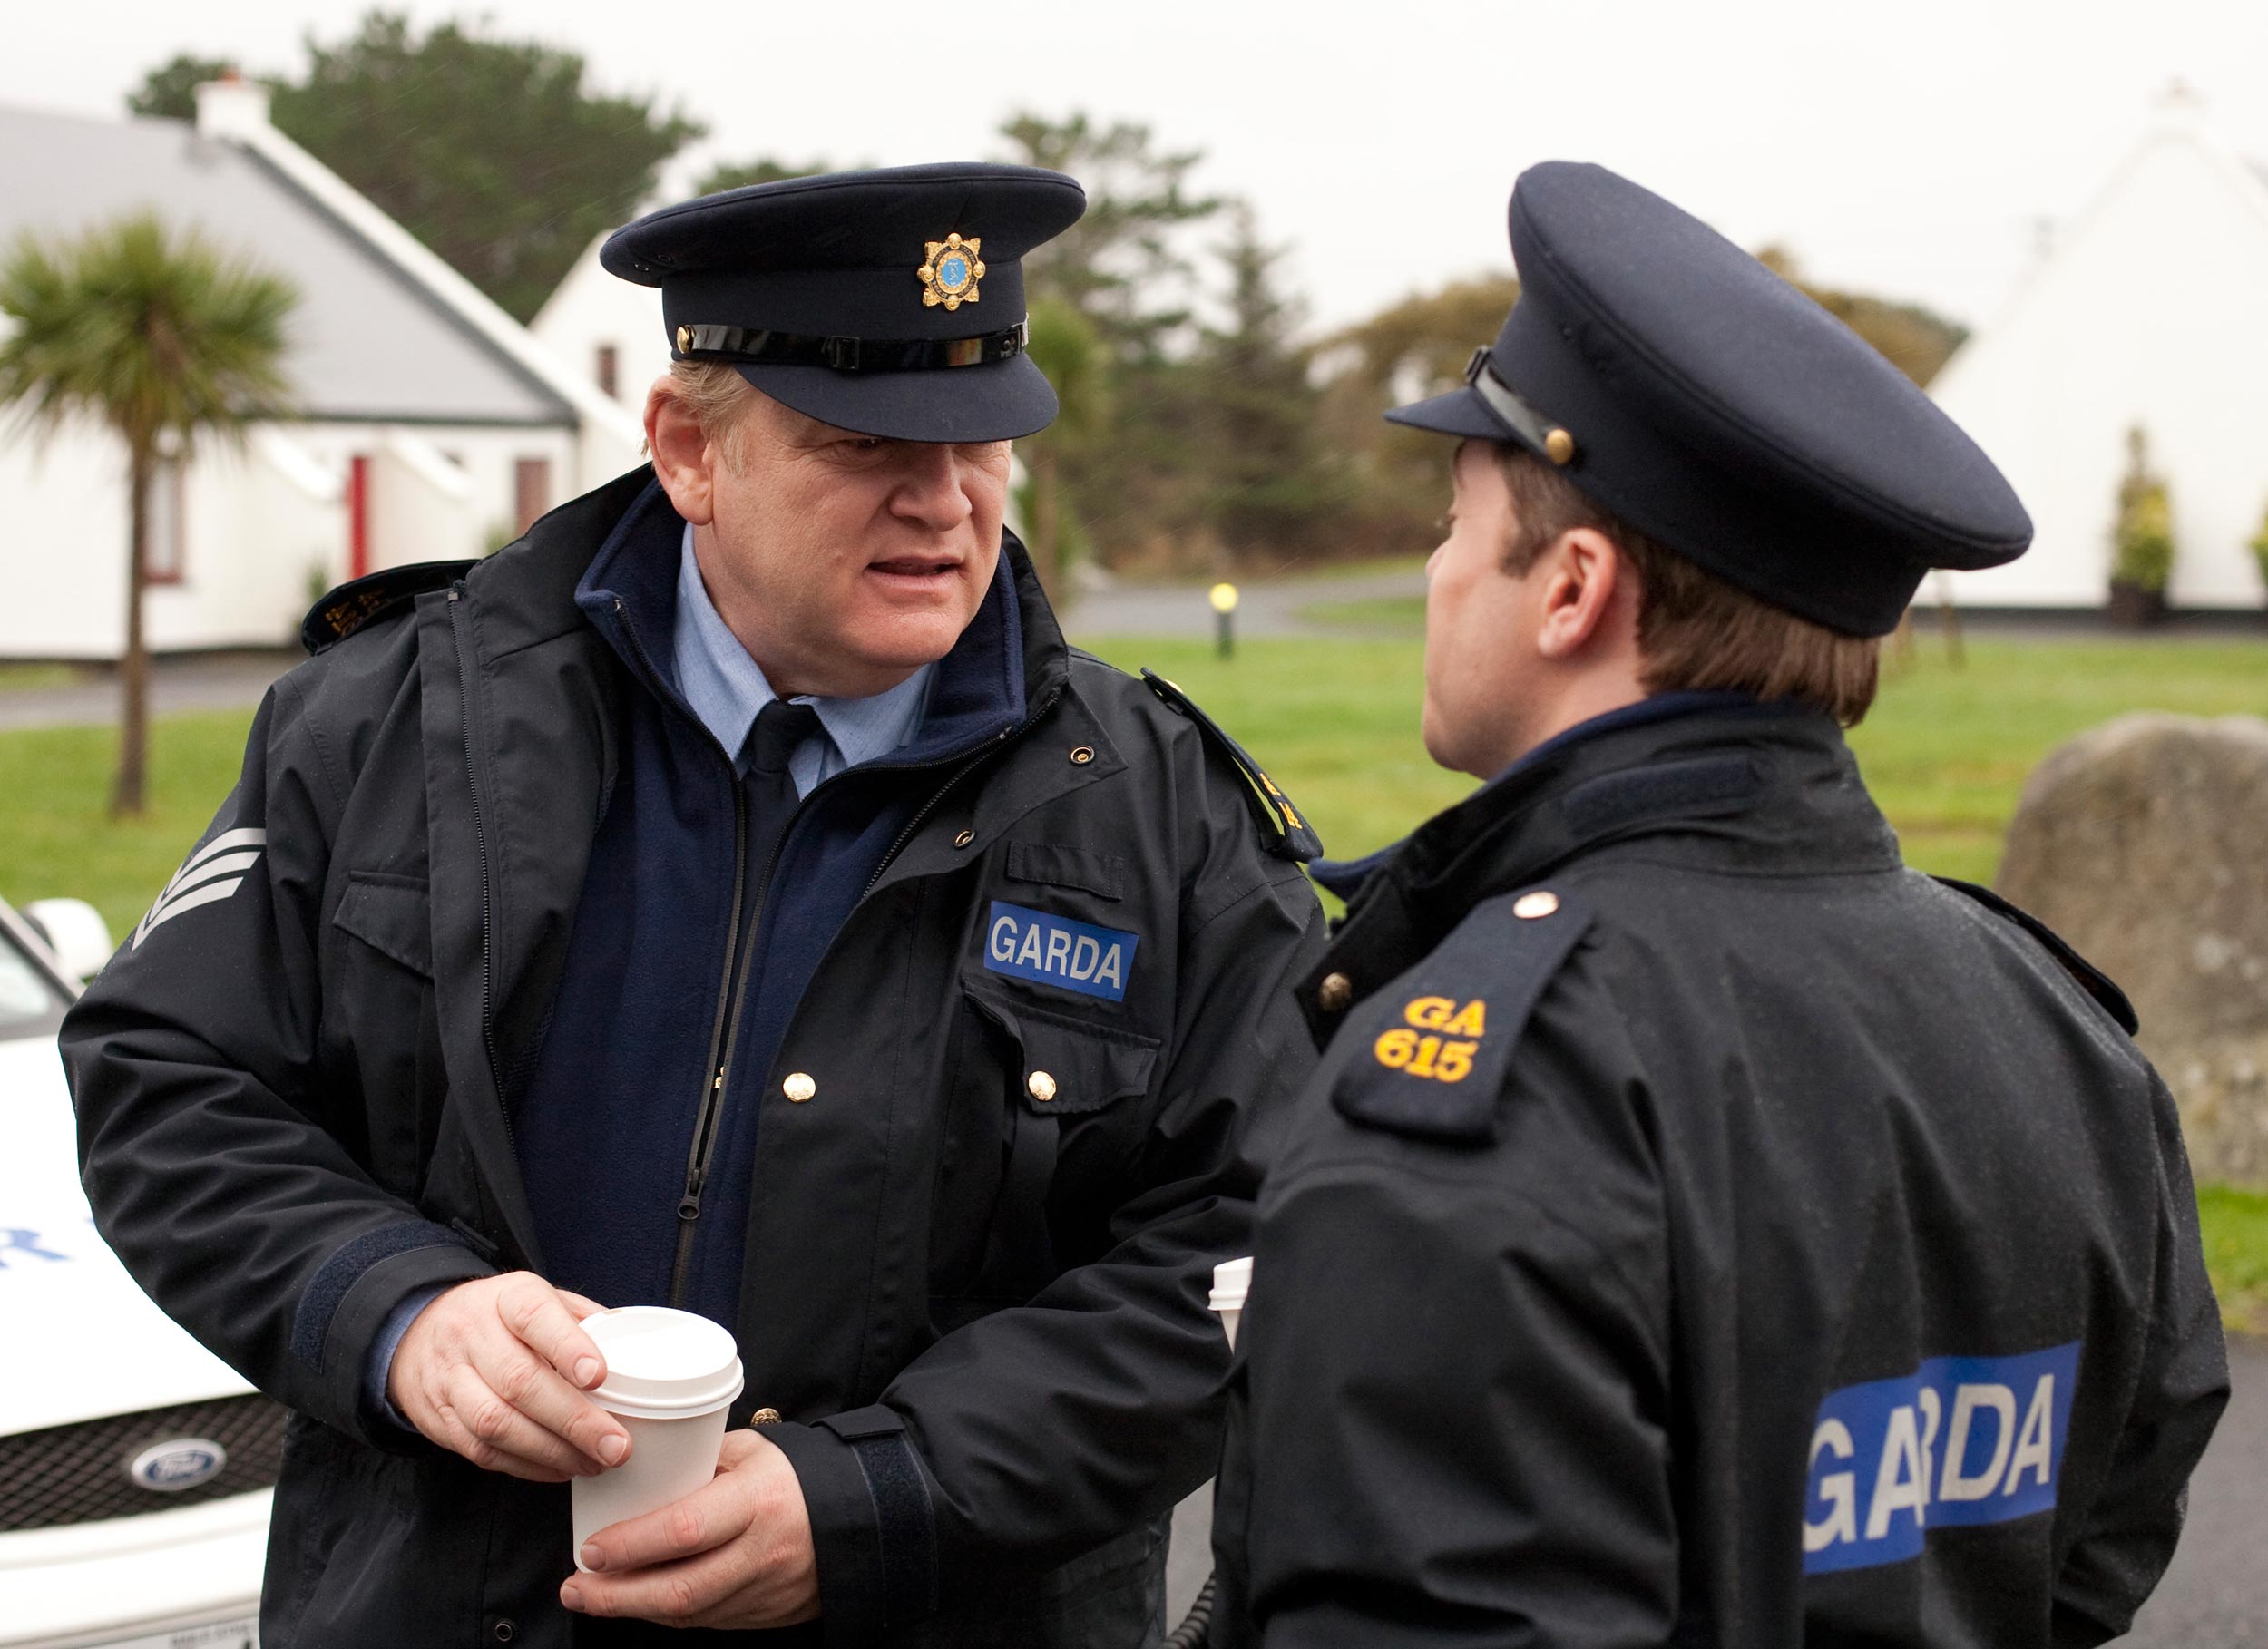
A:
[1232,1280]
[670,1376]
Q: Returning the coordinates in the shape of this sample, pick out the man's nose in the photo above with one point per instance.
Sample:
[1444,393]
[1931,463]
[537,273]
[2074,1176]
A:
[933,487]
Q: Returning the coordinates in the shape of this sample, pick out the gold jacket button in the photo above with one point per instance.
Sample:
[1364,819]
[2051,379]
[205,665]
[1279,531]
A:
[1531,907]
[765,1417]
[799,1086]
[1042,1086]
[1334,993]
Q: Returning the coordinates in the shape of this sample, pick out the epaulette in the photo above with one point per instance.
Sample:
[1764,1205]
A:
[1428,1056]
[2091,978]
[353,605]
[1282,831]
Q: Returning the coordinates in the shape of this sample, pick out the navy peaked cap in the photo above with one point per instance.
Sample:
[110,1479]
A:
[1714,407]
[889,302]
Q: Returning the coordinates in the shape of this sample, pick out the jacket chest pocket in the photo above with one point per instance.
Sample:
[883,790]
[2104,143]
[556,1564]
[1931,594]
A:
[380,1023]
[1047,1110]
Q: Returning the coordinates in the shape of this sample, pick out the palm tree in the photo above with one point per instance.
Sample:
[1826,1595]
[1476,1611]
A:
[164,340]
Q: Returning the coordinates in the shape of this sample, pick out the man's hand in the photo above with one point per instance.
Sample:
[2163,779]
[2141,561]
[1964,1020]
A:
[735,1553]
[496,1371]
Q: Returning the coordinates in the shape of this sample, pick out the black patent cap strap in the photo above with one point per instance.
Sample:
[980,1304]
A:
[1529,424]
[761,347]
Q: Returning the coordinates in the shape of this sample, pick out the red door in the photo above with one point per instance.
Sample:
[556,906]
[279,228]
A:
[359,516]
[532,489]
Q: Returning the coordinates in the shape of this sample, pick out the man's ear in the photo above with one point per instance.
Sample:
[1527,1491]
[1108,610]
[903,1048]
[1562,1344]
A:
[683,460]
[1581,572]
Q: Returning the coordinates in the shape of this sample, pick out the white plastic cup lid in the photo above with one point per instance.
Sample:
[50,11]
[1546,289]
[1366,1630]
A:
[661,1362]
[1232,1280]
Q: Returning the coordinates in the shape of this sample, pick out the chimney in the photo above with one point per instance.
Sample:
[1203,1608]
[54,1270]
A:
[231,107]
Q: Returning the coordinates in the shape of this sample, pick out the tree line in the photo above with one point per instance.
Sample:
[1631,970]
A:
[1203,428]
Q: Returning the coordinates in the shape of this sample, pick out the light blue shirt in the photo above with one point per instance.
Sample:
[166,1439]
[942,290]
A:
[726,688]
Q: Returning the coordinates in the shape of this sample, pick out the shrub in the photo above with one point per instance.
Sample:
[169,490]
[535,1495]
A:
[2142,541]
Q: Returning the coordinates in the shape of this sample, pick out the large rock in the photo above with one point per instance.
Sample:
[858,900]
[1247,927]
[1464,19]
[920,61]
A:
[2144,842]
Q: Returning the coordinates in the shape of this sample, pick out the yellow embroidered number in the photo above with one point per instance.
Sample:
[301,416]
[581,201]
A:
[1394,1048]
[1432,1058]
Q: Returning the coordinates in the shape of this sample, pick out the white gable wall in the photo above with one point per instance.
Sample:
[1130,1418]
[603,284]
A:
[592,308]
[2149,311]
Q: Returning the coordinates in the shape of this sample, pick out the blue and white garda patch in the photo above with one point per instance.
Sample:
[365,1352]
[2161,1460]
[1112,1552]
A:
[1056,950]
[1963,1440]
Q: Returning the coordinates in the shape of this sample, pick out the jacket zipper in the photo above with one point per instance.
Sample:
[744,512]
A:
[709,1124]
[480,846]
[708,1109]
[708,1114]
[747,918]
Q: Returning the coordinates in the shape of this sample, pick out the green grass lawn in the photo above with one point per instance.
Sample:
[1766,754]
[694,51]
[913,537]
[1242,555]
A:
[56,836]
[1946,750]
[2236,1253]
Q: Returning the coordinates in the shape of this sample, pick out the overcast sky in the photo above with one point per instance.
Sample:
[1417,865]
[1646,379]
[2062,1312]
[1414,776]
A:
[1913,148]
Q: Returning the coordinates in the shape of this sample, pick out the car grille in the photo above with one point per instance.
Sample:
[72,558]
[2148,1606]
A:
[77,1474]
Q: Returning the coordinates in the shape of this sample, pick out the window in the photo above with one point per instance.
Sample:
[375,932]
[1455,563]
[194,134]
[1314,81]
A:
[607,368]
[169,498]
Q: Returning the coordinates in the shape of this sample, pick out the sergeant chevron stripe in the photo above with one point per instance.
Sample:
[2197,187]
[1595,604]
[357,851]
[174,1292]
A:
[213,872]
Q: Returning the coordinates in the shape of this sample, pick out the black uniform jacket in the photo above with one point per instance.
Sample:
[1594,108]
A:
[1705,1230]
[291,1118]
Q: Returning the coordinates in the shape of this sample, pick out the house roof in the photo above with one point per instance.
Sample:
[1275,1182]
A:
[369,339]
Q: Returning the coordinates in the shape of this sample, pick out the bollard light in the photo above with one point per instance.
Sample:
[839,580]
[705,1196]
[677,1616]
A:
[1223,597]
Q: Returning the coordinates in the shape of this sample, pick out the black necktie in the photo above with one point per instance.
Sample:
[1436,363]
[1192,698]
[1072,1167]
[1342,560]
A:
[779,729]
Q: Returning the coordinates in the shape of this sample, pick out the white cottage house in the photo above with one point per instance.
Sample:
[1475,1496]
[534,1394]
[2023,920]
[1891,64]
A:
[427,425]
[2148,310]
[606,329]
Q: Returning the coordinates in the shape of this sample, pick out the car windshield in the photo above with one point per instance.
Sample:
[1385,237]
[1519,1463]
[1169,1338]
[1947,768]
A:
[28,997]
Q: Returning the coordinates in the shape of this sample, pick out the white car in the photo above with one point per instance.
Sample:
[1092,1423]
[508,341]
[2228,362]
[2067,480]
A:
[136,1468]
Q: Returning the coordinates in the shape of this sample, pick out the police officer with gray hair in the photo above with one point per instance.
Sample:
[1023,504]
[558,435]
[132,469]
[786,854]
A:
[1702,1228]
[734,896]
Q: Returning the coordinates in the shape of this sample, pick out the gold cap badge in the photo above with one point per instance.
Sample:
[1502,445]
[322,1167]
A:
[949,272]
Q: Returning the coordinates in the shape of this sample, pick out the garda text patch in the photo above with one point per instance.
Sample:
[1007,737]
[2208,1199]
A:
[1056,950]
[1963,1440]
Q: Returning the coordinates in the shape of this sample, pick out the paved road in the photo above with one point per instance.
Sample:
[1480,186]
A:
[2214,1596]
[198,681]
[1265,609]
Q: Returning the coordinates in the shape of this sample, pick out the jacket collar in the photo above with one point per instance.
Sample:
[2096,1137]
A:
[979,691]
[1765,788]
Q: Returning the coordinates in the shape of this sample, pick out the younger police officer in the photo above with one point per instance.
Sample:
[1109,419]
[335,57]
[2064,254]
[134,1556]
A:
[734,895]
[1703,1229]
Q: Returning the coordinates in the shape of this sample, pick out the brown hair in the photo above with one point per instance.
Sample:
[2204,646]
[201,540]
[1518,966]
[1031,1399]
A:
[1696,632]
